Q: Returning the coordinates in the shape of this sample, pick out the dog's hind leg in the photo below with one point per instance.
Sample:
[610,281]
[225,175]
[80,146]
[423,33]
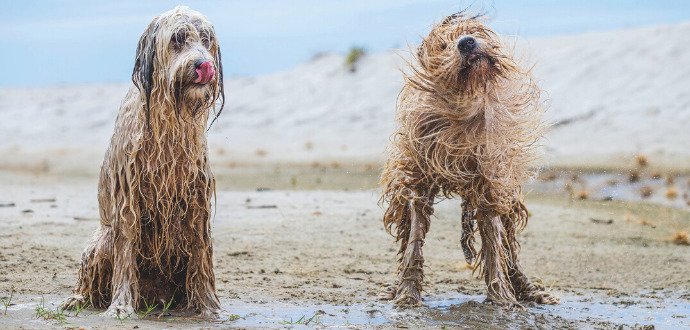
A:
[411,212]
[95,274]
[495,259]
[524,289]
[468,224]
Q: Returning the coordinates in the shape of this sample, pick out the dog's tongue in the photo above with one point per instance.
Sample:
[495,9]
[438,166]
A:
[204,73]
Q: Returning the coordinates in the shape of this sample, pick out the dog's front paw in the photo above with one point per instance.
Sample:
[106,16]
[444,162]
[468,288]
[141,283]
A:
[540,297]
[535,292]
[74,302]
[208,313]
[407,295]
[119,311]
[387,292]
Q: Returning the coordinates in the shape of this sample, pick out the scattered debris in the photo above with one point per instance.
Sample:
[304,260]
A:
[272,206]
[646,191]
[681,238]
[85,219]
[601,221]
[43,200]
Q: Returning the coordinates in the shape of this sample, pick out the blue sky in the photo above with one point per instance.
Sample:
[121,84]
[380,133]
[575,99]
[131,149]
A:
[72,42]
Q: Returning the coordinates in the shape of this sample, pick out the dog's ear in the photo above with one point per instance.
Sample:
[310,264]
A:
[452,18]
[144,64]
[221,87]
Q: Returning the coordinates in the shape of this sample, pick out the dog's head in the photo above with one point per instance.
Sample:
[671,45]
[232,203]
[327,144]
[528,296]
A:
[461,54]
[178,63]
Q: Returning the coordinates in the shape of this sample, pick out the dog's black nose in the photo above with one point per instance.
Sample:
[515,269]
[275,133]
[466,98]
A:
[198,63]
[467,44]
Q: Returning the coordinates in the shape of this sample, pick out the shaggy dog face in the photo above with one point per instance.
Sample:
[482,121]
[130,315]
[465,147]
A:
[468,121]
[179,54]
[461,55]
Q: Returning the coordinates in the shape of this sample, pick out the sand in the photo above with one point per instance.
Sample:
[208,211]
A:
[313,248]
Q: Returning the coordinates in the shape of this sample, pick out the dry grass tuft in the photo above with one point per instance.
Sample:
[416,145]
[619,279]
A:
[308,145]
[582,195]
[548,176]
[646,191]
[641,160]
[681,238]
[656,175]
[671,193]
[634,175]
[261,152]
[670,179]
[647,223]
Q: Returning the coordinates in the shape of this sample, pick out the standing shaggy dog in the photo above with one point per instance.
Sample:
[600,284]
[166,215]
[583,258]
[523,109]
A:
[469,119]
[156,186]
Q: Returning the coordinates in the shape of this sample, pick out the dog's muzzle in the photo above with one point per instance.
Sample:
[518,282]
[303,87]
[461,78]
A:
[467,47]
[205,71]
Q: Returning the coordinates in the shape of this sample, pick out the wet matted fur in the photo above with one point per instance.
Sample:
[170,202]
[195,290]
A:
[468,121]
[156,186]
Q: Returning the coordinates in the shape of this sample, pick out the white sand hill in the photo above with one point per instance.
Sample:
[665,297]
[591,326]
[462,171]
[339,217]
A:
[610,95]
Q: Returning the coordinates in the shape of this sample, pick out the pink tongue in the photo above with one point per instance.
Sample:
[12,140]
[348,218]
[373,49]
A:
[199,75]
[204,73]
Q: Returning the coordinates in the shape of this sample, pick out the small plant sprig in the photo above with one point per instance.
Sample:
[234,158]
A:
[48,314]
[315,319]
[7,301]
[353,56]
[122,318]
[234,317]
[166,308]
[80,307]
[149,308]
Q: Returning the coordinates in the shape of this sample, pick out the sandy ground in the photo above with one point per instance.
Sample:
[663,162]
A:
[281,255]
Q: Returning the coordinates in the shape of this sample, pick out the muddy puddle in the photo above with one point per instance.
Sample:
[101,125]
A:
[591,310]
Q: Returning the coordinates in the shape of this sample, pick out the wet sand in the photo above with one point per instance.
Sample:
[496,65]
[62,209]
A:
[321,256]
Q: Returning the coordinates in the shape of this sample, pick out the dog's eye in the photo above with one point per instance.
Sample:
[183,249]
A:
[178,39]
[206,41]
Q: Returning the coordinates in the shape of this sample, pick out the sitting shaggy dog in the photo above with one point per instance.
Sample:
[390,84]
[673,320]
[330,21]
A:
[469,118]
[154,243]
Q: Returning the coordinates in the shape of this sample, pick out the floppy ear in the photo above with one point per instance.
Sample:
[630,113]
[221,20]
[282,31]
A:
[144,64]
[221,88]
[452,18]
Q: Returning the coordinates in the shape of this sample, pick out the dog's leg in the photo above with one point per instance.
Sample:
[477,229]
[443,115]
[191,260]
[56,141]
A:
[524,289]
[95,274]
[468,223]
[413,211]
[495,260]
[125,282]
[200,283]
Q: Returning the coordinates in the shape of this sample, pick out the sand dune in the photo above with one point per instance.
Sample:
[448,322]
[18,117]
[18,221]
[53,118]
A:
[611,95]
